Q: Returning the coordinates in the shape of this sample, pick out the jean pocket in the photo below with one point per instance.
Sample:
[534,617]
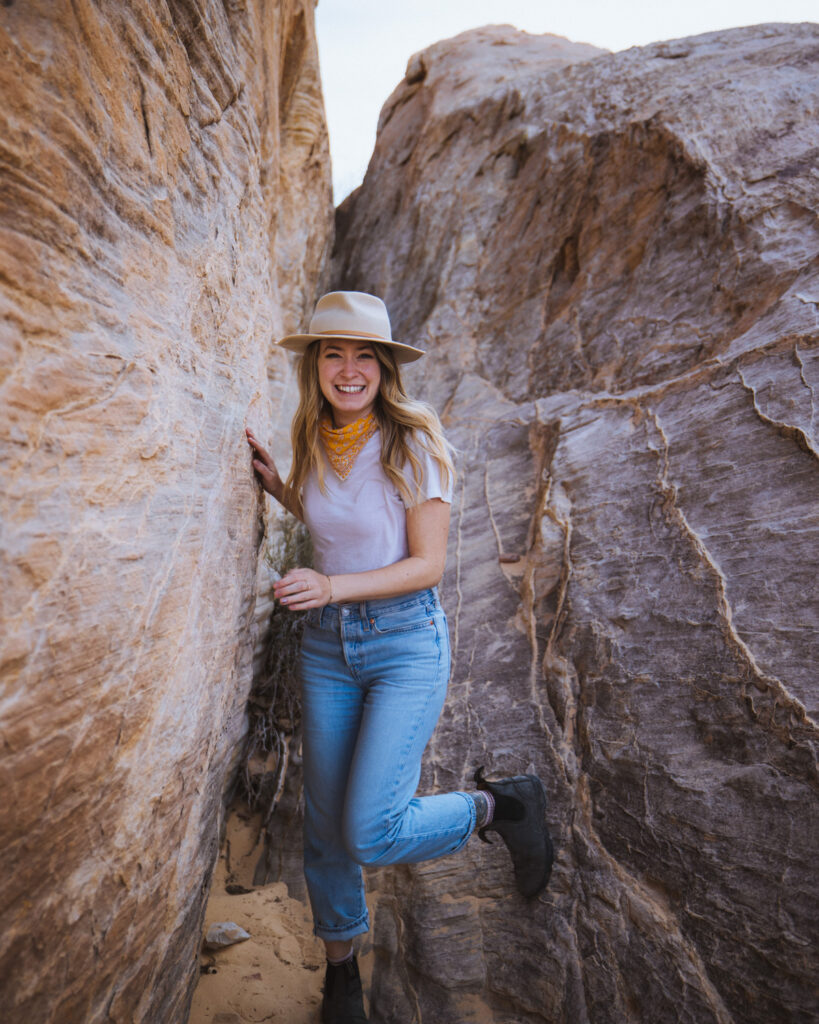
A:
[402,620]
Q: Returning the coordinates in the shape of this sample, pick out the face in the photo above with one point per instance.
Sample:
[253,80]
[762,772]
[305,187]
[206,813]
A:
[349,375]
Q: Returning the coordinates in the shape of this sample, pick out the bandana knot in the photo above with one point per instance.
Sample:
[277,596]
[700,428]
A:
[344,445]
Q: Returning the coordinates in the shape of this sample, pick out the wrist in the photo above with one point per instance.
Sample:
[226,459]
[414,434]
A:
[330,581]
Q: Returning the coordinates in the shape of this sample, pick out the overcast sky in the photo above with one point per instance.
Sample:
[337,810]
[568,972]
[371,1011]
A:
[364,45]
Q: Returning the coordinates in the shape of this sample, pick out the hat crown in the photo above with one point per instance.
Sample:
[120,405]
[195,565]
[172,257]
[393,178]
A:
[354,315]
[351,314]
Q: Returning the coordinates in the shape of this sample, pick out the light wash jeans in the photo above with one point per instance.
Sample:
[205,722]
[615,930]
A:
[374,680]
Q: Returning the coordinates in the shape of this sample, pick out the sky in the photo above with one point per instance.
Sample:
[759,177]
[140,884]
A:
[364,45]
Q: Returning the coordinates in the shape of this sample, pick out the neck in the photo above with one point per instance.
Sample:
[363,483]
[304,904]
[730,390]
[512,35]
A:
[339,420]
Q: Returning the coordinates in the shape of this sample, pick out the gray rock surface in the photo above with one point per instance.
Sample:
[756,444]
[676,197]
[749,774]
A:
[164,211]
[613,262]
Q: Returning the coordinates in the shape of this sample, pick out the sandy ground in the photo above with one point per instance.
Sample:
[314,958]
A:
[276,974]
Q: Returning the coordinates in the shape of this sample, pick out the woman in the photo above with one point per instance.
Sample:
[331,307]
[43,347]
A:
[372,479]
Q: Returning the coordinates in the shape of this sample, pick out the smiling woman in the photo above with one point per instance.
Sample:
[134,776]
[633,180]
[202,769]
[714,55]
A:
[349,375]
[372,478]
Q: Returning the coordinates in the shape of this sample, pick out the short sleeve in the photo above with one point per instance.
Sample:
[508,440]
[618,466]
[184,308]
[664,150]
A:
[431,483]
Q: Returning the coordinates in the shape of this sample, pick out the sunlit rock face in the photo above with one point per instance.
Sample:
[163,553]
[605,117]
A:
[164,211]
[613,267]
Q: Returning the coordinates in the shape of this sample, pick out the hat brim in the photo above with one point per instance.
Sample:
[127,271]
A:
[299,342]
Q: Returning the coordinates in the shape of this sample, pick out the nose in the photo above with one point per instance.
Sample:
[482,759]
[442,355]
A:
[348,367]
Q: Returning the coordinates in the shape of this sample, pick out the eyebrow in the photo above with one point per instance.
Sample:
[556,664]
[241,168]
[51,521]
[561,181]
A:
[362,346]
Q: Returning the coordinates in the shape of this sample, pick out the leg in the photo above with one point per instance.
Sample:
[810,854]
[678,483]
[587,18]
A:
[338,952]
[384,822]
[332,704]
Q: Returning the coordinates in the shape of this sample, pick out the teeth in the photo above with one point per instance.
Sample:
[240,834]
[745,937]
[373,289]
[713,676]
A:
[350,389]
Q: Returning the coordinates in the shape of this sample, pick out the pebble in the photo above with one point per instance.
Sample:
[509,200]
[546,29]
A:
[224,933]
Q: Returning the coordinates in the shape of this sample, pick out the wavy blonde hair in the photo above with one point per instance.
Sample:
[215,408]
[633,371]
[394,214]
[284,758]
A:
[401,419]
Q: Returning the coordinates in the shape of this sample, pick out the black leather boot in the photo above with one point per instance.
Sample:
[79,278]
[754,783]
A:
[343,1001]
[520,821]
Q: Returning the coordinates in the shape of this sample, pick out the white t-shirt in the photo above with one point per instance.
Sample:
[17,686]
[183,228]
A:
[361,522]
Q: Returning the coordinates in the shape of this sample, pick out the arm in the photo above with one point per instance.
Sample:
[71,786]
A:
[265,467]
[427,529]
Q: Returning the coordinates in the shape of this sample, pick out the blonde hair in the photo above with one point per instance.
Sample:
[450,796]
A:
[401,420]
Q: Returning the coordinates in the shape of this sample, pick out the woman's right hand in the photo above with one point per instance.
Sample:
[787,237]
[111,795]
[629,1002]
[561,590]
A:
[265,467]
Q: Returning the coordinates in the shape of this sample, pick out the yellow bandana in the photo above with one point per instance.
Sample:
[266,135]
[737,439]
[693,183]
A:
[342,446]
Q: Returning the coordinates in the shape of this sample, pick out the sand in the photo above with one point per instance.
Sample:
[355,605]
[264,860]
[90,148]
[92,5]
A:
[275,975]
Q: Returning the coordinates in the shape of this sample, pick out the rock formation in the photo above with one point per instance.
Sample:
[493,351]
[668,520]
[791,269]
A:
[612,262]
[164,210]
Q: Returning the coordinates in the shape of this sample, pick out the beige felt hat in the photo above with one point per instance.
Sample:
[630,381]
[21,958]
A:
[347,315]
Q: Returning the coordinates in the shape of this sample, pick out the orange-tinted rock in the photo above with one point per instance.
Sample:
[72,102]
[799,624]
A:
[613,267]
[164,211]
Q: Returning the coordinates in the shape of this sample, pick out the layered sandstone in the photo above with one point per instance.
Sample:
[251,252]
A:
[612,261]
[164,211]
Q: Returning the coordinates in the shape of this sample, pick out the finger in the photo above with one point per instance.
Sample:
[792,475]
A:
[262,455]
[263,460]
[294,592]
[257,445]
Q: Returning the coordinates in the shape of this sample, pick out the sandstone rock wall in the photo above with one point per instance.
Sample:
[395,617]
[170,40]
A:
[613,261]
[164,211]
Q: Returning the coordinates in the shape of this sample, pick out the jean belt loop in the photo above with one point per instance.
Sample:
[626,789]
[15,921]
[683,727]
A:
[362,611]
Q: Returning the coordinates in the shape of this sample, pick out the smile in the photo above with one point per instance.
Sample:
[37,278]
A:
[350,389]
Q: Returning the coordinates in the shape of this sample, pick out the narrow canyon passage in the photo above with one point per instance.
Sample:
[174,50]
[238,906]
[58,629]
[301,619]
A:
[612,261]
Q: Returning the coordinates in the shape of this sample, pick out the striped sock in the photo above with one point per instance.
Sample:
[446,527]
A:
[484,808]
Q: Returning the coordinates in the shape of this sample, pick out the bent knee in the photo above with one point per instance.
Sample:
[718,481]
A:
[368,847]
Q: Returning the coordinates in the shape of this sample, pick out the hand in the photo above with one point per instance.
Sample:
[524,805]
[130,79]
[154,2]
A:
[265,467]
[300,589]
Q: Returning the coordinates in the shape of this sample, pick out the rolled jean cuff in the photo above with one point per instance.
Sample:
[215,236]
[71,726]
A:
[473,818]
[343,932]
